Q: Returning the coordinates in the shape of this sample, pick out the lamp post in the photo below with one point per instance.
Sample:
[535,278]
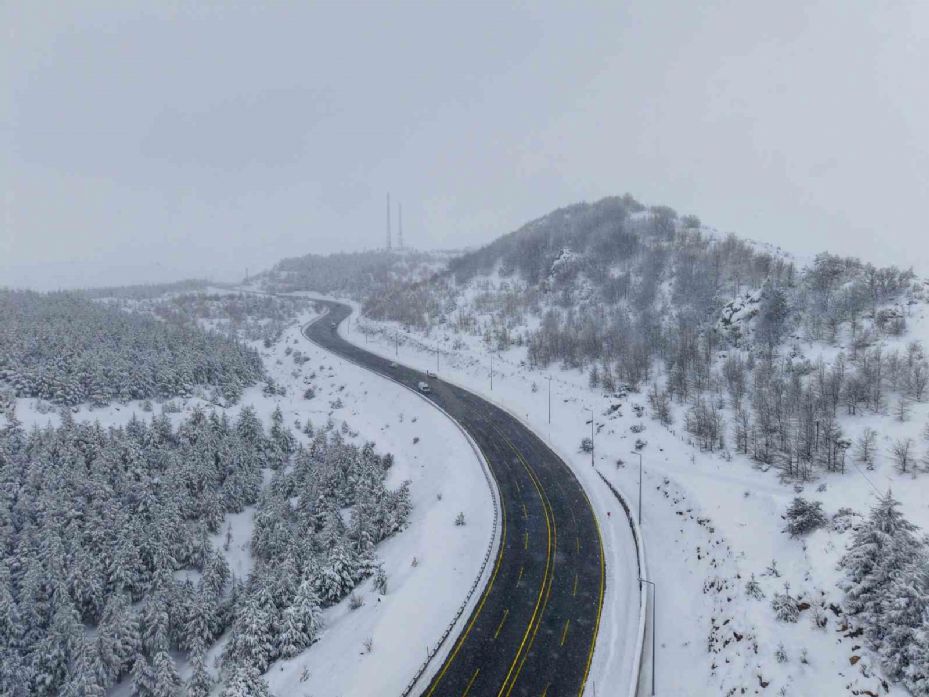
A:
[654,626]
[491,371]
[636,452]
[591,437]
[437,359]
[397,345]
[549,399]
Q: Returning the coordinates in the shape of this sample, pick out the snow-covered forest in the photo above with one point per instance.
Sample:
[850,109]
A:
[109,571]
[67,349]
[358,275]
[246,316]
[645,301]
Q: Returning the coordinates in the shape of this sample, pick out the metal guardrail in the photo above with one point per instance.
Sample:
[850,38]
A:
[487,555]
[643,590]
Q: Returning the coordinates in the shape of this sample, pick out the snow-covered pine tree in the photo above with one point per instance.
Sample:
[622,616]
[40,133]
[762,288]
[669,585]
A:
[200,682]
[904,610]
[245,681]
[883,547]
[165,680]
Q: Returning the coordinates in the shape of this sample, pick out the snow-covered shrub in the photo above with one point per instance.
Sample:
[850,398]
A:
[753,589]
[786,608]
[780,654]
[380,580]
[587,445]
[844,519]
[804,516]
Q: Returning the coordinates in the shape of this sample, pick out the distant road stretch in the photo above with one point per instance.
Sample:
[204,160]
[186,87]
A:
[533,629]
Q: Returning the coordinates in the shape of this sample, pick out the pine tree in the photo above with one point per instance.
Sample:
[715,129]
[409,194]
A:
[143,680]
[118,636]
[165,680]
[200,682]
[53,655]
[245,681]
[882,548]
[916,673]
[252,641]
[88,676]
[903,611]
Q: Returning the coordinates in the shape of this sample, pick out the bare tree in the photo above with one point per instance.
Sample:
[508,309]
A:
[919,379]
[902,408]
[865,447]
[903,453]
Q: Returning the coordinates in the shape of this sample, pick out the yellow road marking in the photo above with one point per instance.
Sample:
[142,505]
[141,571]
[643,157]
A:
[520,575]
[470,682]
[574,592]
[547,578]
[542,598]
[578,541]
[525,512]
[593,637]
[564,633]
[525,540]
[502,620]
[545,691]
[480,607]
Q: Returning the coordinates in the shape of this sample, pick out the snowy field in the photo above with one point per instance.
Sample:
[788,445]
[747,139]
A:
[710,524]
[430,565]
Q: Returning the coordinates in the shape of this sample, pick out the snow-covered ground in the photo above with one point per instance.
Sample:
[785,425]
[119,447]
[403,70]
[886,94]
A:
[617,645]
[709,525]
[430,565]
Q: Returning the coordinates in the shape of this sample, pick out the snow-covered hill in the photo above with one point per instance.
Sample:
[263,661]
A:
[745,379]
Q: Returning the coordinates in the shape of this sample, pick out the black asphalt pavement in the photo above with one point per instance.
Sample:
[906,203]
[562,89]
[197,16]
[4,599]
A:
[534,627]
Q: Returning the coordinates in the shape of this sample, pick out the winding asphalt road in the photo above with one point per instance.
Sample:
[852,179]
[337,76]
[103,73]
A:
[533,629]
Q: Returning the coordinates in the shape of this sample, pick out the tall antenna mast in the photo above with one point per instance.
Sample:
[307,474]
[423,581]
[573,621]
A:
[400,221]
[388,222]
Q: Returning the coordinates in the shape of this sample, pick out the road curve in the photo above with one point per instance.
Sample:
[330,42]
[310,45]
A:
[534,627]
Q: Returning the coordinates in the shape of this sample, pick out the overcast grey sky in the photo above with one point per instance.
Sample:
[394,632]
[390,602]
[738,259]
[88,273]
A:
[148,142]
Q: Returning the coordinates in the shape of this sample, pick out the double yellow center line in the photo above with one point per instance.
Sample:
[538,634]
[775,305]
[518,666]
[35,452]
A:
[546,587]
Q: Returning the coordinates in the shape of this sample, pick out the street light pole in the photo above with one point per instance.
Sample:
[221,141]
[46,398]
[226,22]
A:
[549,399]
[491,371]
[654,626]
[436,360]
[592,438]
[635,452]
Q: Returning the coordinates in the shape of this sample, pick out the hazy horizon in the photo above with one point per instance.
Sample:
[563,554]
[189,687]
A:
[148,144]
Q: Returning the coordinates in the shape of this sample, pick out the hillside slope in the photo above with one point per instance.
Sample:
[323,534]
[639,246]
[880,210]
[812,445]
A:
[766,379]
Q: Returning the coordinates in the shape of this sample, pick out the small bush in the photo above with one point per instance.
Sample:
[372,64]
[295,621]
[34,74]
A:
[460,519]
[803,517]
[785,607]
[355,601]
[753,589]
[380,581]
[781,654]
